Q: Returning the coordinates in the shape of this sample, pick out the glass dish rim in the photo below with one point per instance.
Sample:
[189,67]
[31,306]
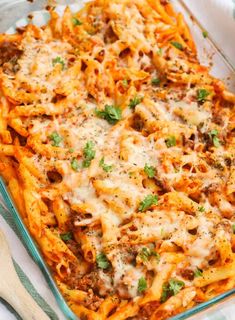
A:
[34,250]
[37,257]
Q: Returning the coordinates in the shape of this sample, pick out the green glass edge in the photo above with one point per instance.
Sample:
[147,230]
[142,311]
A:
[203,306]
[36,255]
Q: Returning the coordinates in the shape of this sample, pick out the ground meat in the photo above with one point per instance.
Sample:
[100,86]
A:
[218,119]
[137,123]
[213,187]
[87,282]
[146,311]
[93,301]
[74,247]
[226,226]
[163,184]
[187,274]
[110,36]
[123,291]
[164,2]
[228,161]
[54,176]
[94,281]
[206,138]
[9,54]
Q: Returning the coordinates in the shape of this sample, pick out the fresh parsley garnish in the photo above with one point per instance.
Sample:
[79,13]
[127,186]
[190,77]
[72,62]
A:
[135,101]
[171,288]
[112,114]
[202,94]
[214,137]
[175,286]
[197,273]
[177,45]
[88,153]
[58,60]
[214,132]
[142,285]
[102,261]
[149,170]
[233,228]
[106,167]
[155,81]
[148,202]
[66,236]
[125,82]
[201,209]
[76,22]
[91,32]
[170,142]
[159,52]
[146,253]
[74,164]
[55,138]
[205,34]
[165,292]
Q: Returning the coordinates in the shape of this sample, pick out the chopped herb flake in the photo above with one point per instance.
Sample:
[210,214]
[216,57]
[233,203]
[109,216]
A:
[155,81]
[205,34]
[170,142]
[112,114]
[216,142]
[171,289]
[202,94]
[233,228]
[106,168]
[55,138]
[102,261]
[159,52]
[214,132]
[165,292]
[58,60]
[175,286]
[148,202]
[197,273]
[135,101]
[201,209]
[88,153]
[149,170]
[66,236]
[214,137]
[146,253]
[177,45]
[74,164]
[76,22]
[142,285]
[125,82]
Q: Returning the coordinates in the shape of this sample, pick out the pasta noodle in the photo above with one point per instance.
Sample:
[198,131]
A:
[118,149]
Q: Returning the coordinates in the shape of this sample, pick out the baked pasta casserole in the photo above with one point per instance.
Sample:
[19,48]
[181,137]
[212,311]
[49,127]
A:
[117,147]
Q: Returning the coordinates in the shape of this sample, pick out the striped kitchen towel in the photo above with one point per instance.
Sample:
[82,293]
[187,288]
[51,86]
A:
[28,272]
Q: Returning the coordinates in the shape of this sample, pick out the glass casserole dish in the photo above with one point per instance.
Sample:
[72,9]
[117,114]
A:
[221,69]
